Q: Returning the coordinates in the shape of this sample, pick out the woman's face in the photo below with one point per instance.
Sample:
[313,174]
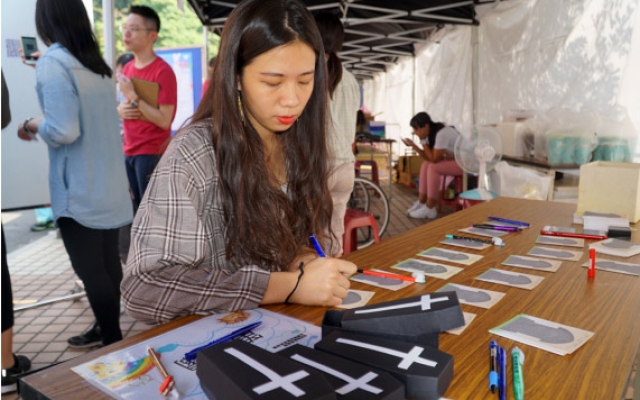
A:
[423,132]
[276,87]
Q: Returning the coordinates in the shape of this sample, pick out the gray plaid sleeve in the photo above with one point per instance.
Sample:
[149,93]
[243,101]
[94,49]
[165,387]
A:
[177,263]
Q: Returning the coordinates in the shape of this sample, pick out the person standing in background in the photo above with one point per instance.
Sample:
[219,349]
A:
[344,94]
[87,180]
[147,129]
[12,365]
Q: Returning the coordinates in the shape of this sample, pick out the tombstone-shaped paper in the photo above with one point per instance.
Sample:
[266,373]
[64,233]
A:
[350,380]
[425,371]
[412,316]
[239,370]
[332,321]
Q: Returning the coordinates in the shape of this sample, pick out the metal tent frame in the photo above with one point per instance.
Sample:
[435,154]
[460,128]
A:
[377,32]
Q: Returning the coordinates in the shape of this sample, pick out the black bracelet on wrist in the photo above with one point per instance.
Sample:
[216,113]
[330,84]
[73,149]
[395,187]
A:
[301,268]
[26,127]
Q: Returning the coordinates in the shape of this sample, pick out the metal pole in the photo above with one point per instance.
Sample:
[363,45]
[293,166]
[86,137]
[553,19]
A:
[109,36]
[50,301]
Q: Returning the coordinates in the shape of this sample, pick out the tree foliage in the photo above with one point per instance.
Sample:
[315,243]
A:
[177,28]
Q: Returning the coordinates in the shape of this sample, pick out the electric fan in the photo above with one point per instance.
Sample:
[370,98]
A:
[477,154]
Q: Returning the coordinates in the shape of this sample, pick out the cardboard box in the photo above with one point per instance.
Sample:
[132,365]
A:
[408,317]
[409,169]
[610,187]
[332,322]
[425,371]
[350,380]
[239,370]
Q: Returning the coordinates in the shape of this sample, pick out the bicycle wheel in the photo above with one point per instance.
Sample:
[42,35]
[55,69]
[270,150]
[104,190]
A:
[369,197]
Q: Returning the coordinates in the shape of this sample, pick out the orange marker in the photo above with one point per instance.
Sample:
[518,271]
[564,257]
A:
[387,275]
[591,271]
[168,382]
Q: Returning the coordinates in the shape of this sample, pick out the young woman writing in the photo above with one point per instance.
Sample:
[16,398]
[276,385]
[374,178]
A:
[225,222]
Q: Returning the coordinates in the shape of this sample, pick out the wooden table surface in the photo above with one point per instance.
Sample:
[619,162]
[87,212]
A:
[608,306]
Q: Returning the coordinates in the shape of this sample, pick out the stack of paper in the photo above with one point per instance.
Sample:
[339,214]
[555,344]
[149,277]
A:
[543,334]
[616,247]
[600,221]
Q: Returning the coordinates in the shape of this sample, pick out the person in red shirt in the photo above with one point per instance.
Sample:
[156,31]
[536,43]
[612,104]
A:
[147,129]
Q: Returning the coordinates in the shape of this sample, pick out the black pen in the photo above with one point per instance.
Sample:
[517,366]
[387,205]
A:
[497,227]
[497,241]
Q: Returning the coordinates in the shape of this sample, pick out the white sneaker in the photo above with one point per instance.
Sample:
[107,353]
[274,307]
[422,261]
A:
[424,212]
[414,206]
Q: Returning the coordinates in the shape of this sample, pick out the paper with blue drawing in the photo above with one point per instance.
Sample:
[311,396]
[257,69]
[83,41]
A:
[130,374]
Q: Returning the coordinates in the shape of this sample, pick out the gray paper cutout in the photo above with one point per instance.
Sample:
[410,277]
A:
[427,268]
[619,244]
[506,278]
[466,243]
[468,295]
[546,334]
[488,232]
[446,254]
[380,280]
[551,252]
[614,266]
[556,240]
[529,263]
[352,297]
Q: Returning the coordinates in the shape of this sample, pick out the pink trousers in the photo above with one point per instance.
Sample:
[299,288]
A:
[432,173]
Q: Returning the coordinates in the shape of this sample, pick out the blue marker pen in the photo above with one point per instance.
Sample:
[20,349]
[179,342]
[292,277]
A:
[509,221]
[493,366]
[502,388]
[316,245]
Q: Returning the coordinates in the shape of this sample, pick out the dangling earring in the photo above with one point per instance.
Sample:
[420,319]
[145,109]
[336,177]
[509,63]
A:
[241,110]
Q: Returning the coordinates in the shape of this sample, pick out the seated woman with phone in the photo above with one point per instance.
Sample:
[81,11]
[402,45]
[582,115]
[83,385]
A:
[437,142]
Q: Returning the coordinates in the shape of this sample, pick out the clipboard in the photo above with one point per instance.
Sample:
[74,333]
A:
[147,91]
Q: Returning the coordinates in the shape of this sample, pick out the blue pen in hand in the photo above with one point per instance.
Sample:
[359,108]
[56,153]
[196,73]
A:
[316,245]
[493,366]
[190,356]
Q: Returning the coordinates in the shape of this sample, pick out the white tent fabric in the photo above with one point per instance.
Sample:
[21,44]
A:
[532,55]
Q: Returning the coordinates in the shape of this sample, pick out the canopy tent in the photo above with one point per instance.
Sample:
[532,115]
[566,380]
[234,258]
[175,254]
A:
[472,62]
[377,32]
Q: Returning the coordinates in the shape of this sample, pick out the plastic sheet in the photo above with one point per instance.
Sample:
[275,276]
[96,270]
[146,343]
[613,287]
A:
[520,182]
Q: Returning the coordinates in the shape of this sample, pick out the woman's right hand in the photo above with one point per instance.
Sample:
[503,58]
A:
[325,282]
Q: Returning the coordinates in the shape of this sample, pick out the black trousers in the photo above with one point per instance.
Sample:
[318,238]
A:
[7,294]
[95,259]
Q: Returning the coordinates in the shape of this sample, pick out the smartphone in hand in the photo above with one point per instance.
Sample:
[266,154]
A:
[29,46]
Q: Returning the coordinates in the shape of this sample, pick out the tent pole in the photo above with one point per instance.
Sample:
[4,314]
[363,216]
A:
[108,23]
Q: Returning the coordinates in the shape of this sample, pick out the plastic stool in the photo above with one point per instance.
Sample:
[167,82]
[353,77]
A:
[445,180]
[374,169]
[354,219]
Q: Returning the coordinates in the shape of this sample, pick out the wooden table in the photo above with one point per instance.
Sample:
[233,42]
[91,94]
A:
[608,306]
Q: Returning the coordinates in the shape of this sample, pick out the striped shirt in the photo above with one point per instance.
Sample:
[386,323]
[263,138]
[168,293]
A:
[177,263]
[341,129]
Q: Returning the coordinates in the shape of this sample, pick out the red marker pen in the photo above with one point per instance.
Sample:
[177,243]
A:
[591,271]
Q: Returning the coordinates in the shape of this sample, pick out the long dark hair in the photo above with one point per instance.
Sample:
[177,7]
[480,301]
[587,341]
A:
[265,225]
[420,120]
[332,33]
[66,22]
